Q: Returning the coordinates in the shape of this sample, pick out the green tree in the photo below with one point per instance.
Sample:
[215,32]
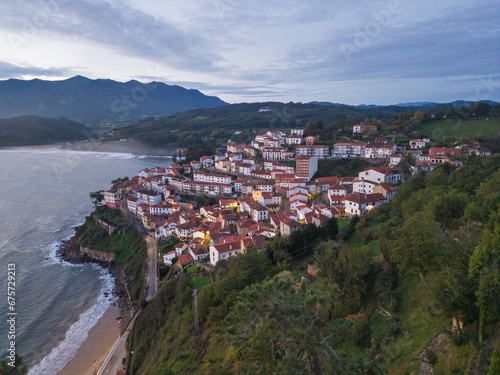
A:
[415,244]
[97,197]
[495,363]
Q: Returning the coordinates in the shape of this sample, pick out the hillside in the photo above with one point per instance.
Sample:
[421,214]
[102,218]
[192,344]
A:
[217,125]
[443,130]
[99,101]
[387,288]
[221,123]
[34,130]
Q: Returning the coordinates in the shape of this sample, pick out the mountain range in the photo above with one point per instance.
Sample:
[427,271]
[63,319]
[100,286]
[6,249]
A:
[98,101]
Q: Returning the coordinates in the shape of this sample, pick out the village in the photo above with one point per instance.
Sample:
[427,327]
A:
[266,189]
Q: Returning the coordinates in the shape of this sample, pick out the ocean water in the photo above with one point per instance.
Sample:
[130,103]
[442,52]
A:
[44,195]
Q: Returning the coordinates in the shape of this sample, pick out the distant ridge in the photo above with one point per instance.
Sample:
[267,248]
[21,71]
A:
[34,130]
[94,101]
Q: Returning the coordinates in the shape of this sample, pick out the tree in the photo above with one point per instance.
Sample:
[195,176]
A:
[116,183]
[495,363]
[404,166]
[432,358]
[97,197]
[415,244]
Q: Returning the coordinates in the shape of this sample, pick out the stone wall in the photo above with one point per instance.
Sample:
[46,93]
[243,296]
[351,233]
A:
[102,256]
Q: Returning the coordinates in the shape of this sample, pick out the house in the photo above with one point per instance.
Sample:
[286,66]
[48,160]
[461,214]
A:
[362,186]
[185,260]
[379,149]
[336,194]
[179,248]
[168,257]
[197,251]
[274,153]
[111,198]
[349,150]
[417,143]
[297,131]
[310,140]
[142,208]
[238,185]
[288,226]
[395,159]
[228,203]
[224,250]
[363,129]
[215,178]
[302,211]
[195,165]
[313,150]
[326,182]
[359,204]
[442,154]
[132,203]
[149,196]
[206,162]
[243,226]
[379,175]
[255,210]
[294,140]
[161,209]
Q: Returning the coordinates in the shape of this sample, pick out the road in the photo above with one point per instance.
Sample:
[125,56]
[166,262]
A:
[152,257]
[152,266]
[113,361]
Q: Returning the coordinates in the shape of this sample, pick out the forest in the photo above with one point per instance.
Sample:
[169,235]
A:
[387,289]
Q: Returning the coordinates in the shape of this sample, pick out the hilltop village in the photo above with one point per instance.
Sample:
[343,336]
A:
[265,189]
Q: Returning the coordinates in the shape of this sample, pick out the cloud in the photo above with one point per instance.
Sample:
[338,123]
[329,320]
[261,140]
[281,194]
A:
[289,50]
[126,30]
[10,70]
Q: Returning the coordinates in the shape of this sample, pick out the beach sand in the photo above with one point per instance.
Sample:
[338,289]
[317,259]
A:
[96,347]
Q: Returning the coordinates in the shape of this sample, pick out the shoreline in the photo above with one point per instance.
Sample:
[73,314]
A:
[97,345]
[67,252]
[103,335]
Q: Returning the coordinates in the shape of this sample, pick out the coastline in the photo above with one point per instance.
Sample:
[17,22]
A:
[96,346]
[103,335]
[67,252]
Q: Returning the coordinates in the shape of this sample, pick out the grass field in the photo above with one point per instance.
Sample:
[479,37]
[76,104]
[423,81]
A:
[443,130]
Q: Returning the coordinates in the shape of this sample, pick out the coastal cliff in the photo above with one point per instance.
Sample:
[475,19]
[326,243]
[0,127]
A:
[122,253]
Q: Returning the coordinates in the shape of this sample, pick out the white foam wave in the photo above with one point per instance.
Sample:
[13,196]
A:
[77,333]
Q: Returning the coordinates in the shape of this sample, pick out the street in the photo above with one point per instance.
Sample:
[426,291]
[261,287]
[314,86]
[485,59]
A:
[114,359]
[151,274]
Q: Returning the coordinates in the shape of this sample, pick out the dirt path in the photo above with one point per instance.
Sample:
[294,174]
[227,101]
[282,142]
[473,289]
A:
[424,366]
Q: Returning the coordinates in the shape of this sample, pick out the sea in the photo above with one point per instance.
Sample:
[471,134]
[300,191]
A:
[44,196]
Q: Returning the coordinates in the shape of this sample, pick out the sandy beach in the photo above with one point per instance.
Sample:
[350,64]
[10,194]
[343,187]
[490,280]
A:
[96,347]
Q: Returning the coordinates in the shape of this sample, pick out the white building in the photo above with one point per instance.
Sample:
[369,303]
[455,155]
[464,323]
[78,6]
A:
[312,150]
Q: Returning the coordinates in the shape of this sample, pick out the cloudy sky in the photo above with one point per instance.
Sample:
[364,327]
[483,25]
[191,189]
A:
[372,51]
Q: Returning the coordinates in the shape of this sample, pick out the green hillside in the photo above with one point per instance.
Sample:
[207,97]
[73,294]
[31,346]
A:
[388,286]
[443,130]
[220,124]
[34,130]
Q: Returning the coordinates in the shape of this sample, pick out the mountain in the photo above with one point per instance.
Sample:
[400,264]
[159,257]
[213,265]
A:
[415,104]
[34,130]
[98,101]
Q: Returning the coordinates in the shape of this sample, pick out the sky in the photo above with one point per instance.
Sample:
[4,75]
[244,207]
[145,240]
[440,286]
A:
[353,52]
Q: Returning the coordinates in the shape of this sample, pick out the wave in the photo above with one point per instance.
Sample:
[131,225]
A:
[77,333]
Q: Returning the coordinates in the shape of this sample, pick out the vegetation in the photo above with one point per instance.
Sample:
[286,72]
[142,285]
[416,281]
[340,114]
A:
[340,167]
[33,130]
[386,286]
[454,129]
[18,369]
[130,248]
